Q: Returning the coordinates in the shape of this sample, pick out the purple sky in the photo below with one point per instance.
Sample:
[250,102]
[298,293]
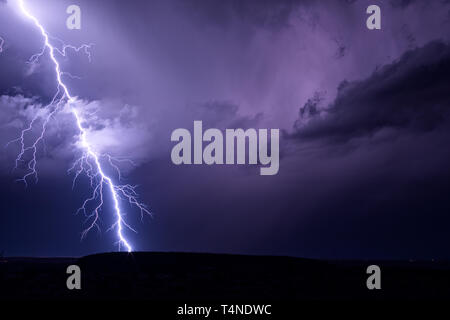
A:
[364,114]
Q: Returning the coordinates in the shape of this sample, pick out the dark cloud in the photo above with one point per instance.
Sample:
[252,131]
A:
[224,114]
[409,95]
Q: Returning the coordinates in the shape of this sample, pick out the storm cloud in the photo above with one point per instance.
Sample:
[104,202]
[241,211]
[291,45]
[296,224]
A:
[409,95]
[365,116]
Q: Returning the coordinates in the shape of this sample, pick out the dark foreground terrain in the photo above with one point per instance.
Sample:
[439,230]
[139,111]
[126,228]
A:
[210,277]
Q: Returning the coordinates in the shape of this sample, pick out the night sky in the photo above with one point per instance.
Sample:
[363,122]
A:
[364,116]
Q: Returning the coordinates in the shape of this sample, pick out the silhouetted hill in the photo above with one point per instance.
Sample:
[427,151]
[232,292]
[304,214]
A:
[218,277]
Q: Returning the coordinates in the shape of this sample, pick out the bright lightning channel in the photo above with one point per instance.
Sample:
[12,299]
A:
[89,163]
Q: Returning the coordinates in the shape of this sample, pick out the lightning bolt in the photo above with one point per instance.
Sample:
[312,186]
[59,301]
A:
[2,42]
[90,163]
